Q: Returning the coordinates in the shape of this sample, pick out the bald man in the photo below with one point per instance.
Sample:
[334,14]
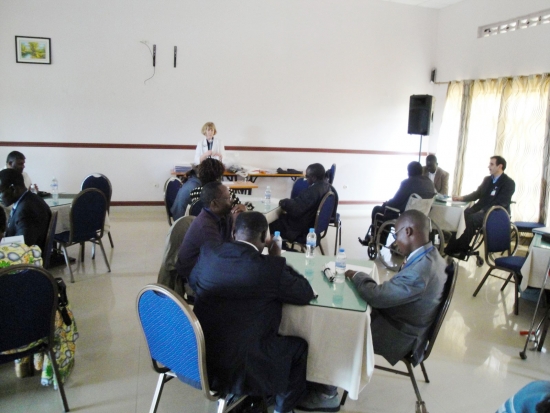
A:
[403,308]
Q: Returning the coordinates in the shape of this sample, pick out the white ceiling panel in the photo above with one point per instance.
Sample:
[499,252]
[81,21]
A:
[432,4]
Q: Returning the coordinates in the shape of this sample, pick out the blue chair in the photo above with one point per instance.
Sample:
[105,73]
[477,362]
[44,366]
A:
[448,291]
[322,220]
[87,219]
[28,302]
[331,173]
[527,227]
[101,182]
[171,188]
[176,344]
[298,187]
[497,230]
[48,247]
[336,222]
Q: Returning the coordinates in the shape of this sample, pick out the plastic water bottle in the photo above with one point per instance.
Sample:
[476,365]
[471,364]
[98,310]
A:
[277,239]
[311,243]
[267,196]
[54,186]
[340,264]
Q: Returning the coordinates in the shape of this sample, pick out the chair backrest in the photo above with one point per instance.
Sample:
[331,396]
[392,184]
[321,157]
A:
[336,199]
[196,208]
[174,336]
[298,187]
[331,173]
[416,202]
[324,214]
[176,234]
[497,230]
[28,302]
[171,188]
[448,290]
[87,215]
[101,182]
[48,246]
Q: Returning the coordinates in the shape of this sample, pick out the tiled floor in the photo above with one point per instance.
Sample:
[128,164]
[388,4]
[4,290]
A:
[474,367]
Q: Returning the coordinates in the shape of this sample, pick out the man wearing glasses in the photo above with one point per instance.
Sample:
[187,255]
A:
[403,308]
[214,223]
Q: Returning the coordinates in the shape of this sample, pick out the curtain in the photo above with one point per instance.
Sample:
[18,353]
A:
[450,129]
[508,117]
[520,139]
[486,97]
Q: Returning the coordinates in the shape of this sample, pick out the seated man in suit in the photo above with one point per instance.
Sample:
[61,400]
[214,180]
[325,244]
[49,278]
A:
[416,183]
[403,308]
[239,299]
[496,189]
[30,215]
[16,160]
[300,212]
[438,176]
[214,223]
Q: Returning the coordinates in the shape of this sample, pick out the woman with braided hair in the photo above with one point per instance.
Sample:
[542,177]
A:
[211,170]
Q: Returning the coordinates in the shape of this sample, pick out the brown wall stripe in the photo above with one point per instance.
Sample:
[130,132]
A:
[160,203]
[192,147]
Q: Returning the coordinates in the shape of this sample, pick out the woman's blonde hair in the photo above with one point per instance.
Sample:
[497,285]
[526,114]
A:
[208,125]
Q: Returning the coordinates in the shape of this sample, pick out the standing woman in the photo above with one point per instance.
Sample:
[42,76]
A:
[209,147]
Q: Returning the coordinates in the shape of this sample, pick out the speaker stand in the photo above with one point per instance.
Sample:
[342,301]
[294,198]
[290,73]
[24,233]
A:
[420,150]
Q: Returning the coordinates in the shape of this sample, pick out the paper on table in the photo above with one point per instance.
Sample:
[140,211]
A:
[15,238]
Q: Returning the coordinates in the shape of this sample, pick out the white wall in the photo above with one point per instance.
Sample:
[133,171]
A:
[462,55]
[288,73]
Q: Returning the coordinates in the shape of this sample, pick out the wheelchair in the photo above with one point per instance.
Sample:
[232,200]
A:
[478,240]
[382,236]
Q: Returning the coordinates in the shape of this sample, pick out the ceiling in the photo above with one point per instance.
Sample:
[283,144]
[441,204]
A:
[432,4]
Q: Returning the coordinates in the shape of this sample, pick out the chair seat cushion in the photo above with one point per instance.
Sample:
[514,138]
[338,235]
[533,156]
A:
[524,226]
[512,263]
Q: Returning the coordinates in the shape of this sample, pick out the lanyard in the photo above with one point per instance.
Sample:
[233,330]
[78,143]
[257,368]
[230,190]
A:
[418,257]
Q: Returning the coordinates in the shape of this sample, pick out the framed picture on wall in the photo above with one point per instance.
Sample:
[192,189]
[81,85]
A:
[33,50]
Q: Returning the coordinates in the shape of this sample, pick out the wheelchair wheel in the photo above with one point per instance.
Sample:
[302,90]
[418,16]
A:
[479,261]
[437,238]
[477,241]
[386,247]
[371,250]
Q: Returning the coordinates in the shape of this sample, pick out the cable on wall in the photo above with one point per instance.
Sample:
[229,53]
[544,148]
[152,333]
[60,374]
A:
[153,56]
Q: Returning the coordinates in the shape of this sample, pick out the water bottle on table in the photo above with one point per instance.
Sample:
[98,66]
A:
[311,243]
[340,265]
[278,240]
[54,187]
[267,196]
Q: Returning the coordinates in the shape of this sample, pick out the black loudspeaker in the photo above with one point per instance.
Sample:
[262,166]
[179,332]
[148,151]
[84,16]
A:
[420,114]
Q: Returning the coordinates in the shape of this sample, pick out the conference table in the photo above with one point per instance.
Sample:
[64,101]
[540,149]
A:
[336,326]
[536,263]
[272,211]
[63,207]
[449,216]
[250,176]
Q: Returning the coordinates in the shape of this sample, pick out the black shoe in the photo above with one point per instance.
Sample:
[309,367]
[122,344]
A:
[364,242]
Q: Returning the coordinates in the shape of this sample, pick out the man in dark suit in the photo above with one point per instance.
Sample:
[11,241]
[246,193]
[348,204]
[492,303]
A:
[30,215]
[438,176]
[496,189]
[403,308]
[300,212]
[416,183]
[239,297]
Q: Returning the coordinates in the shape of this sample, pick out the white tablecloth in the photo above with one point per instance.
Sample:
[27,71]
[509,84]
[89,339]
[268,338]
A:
[340,343]
[64,219]
[535,267]
[449,217]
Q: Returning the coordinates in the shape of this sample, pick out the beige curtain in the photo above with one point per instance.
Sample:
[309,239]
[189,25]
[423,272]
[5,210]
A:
[520,139]
[481,131]
[450,129]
